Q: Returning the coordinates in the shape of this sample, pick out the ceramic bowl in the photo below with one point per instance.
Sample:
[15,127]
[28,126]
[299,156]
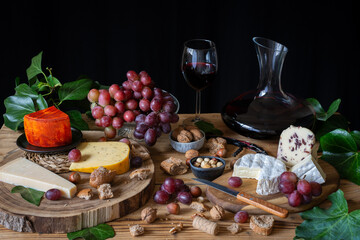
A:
[183,147]
[207,173]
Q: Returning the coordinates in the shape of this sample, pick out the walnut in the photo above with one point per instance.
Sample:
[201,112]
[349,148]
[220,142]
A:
[234,228]
[191,154]
[215,144]
[198,214]
[85,194]
[149,214]
[141,173]
[177,228]
[176,132]
[217,212]
[100,176]
[136,230]
[184,136]
[200,207]
[196,134]
[105,191]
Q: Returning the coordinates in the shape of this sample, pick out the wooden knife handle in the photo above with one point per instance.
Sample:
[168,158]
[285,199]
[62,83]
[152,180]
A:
[262,204]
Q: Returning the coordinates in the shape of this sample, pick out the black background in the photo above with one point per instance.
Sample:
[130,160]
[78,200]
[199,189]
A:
[106,39]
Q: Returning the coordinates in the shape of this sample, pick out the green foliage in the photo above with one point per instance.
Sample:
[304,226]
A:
[99,232]
[31,195]
[208,128]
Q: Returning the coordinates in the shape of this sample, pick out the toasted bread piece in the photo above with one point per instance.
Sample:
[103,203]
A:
[262,224]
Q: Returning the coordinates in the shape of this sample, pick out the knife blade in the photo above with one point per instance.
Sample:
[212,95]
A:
[249,199]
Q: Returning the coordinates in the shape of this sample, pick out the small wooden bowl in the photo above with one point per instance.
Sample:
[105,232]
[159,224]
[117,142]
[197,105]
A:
[207,173]
[183,147]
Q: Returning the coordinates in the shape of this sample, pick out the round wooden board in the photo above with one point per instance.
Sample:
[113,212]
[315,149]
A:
[68,215]
[249,186]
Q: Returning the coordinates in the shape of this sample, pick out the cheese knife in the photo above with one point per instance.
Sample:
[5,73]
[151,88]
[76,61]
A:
[249,199]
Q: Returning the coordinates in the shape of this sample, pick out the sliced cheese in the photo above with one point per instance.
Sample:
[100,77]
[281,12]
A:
[28,174]
[309,170]
[110,155]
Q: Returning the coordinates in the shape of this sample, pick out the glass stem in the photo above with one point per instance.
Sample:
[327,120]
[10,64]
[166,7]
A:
[198,106]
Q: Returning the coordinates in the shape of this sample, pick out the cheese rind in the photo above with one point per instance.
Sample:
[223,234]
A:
[295,144]
[110,155]
[28,174]
[309,170]
[265,169]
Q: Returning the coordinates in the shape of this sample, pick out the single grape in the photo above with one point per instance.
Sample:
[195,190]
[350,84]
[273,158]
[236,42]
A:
[286,187]
[241,216]
[128,94]
[303,187]
[129,116]
[120,106]
[141,128]
[158,92]
[305,199]
[168,98]
[138,135]
[131,104]
[98,122]
[161,197]
[110,110]
[289,176]
[136,162]
[294,199]
[145,79]
[155,105]
[142,73]
[147,93]
[132,75]
[137,95]
[117,122]
[104,98]
[97,112]
[136,112]
[127,85]
[152,119]
[140,118]
[125,140]
[74,155]
[144,105]
[174,118]
[169,107]
[165,127]
[113,89]
[105,121]
[183,188]
[136,86]
[119,96]
[184,197]
[235,182]
[110,132]
[316,189]
[158,131]
[93,95]
[150,137]
[53,194]
[165,117]
[169,185]
[179,183]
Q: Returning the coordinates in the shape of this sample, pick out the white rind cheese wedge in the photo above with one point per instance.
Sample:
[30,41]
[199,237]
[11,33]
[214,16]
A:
[28,174]
[265,169]
[295,144]
[309,170]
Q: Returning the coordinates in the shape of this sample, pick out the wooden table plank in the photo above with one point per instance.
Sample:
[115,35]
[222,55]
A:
[283,229]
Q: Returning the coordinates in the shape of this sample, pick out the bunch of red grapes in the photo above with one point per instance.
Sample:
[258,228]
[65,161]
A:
[135,100]
[298,191]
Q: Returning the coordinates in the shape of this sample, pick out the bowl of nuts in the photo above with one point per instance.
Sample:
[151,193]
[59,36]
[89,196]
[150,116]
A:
[183,139]
[207,167]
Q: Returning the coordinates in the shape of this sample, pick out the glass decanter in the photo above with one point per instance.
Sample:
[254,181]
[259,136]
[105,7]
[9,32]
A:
[268,110]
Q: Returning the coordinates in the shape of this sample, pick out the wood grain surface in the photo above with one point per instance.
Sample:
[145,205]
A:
[283,228]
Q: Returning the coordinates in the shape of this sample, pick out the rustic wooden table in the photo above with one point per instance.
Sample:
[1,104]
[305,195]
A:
[283,229]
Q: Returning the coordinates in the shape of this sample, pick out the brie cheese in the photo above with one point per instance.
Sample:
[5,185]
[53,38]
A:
[309,170]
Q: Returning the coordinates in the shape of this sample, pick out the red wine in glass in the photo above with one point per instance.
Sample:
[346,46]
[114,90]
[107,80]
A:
[199,75]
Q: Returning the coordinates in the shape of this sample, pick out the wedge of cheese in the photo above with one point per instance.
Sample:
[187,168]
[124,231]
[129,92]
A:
[110,155]
[309,170]
[28,174]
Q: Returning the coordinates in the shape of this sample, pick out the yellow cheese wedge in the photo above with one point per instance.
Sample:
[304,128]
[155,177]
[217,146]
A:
[110,155]
[28,174]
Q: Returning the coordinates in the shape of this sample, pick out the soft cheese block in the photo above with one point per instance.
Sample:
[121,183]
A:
[265,169]
[28,174]
[309,170]
[295,144]
[110,155]
[49,127]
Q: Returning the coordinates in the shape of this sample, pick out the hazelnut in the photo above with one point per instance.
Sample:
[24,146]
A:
[196,164]
[221,152]
[74,177]
[173,208]
[213,161]
[195,191]
[199,160]
[205,165]
[188,161]
[191,153]
[206,159]
[219,164]
[149,214]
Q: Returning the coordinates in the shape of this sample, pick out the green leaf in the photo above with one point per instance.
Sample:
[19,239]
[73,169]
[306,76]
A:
[53,81]
[334,122]
[26,91]
[41,102]
[76,120]
[332,223]
[76,90]
[31,195]
[16,108]
[356,136]
[341,151]
[35,67]
[17,81]
[321,115]
[208,128]
[100,232]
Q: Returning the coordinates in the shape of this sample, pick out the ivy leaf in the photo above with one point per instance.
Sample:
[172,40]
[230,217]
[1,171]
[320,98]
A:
[100,232]
[16,108]
[76,90]
[41,102]
[76,120]
[321,115]
[208,128]
[332,223]
[35,67]
[53,81]
[334,122]
[356,136]
[17,81]
[31,195]
[341,151]
[26,91]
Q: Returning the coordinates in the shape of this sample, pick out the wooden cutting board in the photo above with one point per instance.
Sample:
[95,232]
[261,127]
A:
[249,186]
[68,215]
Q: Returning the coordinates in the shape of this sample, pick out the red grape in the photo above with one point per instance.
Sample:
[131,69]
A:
[286,187]
[125,140]
[305,199]
[137,95]
[141,128]
[117,122]
[132,75]
[105,121]
[165,127]
[316,189]
[142,73]
[179,183]
[102,139]
[161,197]
[110,132]
[113,89]
[289,176]
[169,107]
[127,85]
[93,95]
[169,185]
[241,216]
[294,199]
[145,79]
[168,98]
[131,104]
[104,98]
[98,122]
[138,135]
[97,112]
[174,118]
[136,86]
[74,155]
[165,117]
[129,116]
[235,181]
[144,105]
[158,131]
[136,162]
[128,94]
[53,194]
[147,93]
[120,106]
[184,197]
[155,105]
[303,187]
[150,137]
[140,118]
[136,112]
[110,110]
[119,95]
[152,119]
[158,92]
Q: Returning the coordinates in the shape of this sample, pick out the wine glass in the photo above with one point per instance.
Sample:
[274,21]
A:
[199,67]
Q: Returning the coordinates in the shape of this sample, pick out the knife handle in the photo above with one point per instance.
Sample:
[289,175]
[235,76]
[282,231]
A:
[262,204]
